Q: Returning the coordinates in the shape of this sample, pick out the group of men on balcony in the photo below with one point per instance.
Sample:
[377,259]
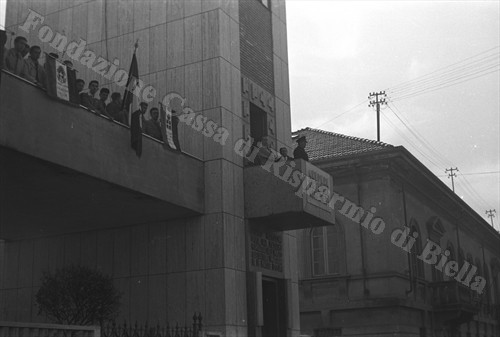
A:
[18,62]
[266,153]
[28,67]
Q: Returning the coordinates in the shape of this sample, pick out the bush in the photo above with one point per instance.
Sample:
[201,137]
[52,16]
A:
[78,295]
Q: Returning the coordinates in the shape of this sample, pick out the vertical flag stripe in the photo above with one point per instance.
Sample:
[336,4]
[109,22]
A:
[127,105]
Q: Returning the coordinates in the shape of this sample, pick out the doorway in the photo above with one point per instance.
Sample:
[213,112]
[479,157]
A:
[274,308]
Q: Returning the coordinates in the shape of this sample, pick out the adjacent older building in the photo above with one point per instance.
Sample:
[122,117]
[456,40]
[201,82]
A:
[179,232]
[356,279]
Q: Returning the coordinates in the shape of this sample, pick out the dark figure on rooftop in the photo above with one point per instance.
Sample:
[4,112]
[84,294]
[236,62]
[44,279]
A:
[300,152]
[33,71]
[87,99]
[114,109]
[14,60]
[152,126]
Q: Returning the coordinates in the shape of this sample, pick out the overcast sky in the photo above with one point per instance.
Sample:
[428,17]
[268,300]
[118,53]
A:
[419,52]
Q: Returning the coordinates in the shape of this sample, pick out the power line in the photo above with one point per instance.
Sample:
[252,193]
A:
[475,173]
[447,80]
[470,68]
[428,146]
[474,195]
[490,215]
[448,66]
[473,66]
[342,113]
[473,191]
[451,175]
[377,102]
[410,142]
[438,87]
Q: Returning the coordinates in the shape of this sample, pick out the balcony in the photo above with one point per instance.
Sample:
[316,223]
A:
[63,169]
[279,205]
[454,302]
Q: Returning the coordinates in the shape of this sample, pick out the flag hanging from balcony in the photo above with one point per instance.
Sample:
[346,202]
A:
[169,128]
[129,103]
[60,79]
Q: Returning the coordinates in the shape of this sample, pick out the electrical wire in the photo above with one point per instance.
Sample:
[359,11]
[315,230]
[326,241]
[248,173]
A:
[473,191]
[475,173]
[341,114]
[410,142]
[439,69]
[440,87]
[474,66]
[479,65]
[419,136]
[437,156]
[475,197]
[442,82]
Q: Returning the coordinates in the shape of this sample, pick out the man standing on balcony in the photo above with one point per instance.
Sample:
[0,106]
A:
[79,84]
[114,109]
[300,152]
[101,103]
[152,126]
[14,61]
[33,71]
[87,99]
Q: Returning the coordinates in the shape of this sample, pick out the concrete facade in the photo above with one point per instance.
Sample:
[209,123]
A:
[354,282]
[170,228]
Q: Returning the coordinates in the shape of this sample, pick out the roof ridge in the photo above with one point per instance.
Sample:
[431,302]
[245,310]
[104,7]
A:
[370,141]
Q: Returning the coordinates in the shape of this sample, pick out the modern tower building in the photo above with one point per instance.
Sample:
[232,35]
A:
[179,232]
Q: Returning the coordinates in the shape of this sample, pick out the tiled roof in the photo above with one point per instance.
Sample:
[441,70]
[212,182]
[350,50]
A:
[324,144]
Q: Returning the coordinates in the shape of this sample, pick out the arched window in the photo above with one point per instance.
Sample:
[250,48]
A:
[327,250]
[487,292]
[451,257]
[417,265]
[479,266]
[495,272]
[436,230]
[470,259]
[461,257]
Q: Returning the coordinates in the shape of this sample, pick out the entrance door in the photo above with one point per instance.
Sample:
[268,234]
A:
[273,301]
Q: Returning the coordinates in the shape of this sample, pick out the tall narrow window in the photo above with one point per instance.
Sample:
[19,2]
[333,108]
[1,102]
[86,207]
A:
[417,264]
[451,257]
[326,243]
[258,122]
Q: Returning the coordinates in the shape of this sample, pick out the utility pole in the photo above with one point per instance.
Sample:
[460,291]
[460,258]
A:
[451,175]
[491,216]
[377,103]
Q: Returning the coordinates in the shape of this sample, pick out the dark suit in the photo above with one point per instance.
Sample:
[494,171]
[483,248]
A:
[300,153]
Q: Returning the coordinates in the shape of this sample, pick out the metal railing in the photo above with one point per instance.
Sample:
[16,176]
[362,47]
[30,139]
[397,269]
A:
[450,293]
[126,330]
[21,329]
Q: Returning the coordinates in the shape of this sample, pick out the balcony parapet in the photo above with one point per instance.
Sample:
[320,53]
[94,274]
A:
[284,198]
[454,301]
[65,154]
